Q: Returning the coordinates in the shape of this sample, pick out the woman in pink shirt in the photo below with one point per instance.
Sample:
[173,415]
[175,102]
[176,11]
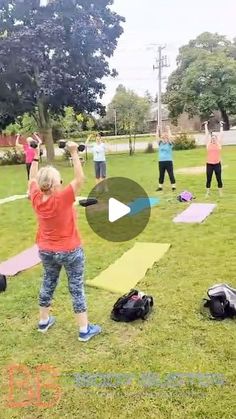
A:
[214,146]
[28,150]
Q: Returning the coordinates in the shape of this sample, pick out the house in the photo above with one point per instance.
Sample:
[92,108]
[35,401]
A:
[184,122]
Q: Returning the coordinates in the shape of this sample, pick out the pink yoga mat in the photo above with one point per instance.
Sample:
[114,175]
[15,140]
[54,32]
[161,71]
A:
[21,262]
[195,213]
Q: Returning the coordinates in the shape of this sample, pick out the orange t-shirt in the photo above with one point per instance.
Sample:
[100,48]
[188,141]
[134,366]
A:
[57,230]
[213,153]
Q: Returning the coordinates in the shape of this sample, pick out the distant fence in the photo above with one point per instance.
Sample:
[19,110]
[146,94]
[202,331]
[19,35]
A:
[7,140]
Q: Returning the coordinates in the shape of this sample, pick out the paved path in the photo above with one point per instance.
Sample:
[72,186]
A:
[229,139]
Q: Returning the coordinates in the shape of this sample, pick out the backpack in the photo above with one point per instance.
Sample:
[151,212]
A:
[221,303]
[185,197]
[132,306]
[3,283]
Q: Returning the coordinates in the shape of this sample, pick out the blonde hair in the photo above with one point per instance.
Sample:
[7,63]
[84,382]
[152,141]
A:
[47,178]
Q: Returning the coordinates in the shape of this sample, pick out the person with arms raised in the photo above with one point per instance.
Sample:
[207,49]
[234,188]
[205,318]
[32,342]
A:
[213,165]
[59,241]
[165,148]
[28,150]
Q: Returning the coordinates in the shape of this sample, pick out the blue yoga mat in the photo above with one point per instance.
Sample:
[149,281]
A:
[140,204]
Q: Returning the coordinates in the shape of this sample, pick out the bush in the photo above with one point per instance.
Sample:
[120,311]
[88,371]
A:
[12,157]
[150,148]
[184,141]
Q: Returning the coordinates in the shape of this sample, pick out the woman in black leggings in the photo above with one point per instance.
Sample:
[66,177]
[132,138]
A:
[165,148]
[214,146]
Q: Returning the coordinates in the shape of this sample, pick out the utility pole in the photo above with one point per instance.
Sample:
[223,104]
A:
[161,62]
[115,115]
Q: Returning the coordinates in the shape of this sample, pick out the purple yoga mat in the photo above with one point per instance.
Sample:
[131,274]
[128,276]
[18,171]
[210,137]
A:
[21,262]
[195,213]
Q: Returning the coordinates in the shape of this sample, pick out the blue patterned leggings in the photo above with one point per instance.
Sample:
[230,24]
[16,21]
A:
[73,263]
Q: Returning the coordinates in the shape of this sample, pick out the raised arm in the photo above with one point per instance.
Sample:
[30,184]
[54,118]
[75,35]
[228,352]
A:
[221,136]
[18,145]
[34,167]
[79,177]
[88,139]
[168,131]
[37,138]
[207,134]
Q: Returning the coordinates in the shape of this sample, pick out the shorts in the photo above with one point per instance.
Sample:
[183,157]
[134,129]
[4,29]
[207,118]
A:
[100,169]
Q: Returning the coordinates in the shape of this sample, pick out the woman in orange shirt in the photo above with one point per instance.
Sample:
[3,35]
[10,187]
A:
[214,146]
[59,241]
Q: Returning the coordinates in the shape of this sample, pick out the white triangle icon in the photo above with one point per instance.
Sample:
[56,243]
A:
[117,210]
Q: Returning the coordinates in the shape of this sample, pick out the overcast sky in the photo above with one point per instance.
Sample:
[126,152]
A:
[170,22]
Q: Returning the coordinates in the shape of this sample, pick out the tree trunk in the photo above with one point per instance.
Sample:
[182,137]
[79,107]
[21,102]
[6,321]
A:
[134,143]
[130,145]
[225,119]
[45,129]
[48,141]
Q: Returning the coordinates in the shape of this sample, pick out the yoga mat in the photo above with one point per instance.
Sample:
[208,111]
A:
[195,213]
[130,268]
[12,198]
[140,204]
[21,262]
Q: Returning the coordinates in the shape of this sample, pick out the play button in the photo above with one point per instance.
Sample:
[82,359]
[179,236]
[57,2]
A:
[122,212]
[117,210]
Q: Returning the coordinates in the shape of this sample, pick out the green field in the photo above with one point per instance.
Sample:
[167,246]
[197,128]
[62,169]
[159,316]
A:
[175,339]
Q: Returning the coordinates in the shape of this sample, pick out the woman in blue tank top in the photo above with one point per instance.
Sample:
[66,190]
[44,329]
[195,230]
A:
[165,147]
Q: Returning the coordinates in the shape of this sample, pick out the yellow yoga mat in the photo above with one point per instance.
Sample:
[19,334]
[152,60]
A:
[130,268]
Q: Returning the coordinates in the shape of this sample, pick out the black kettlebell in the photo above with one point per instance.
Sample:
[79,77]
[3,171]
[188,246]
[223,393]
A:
[62,144]
[3,283]
[33,144]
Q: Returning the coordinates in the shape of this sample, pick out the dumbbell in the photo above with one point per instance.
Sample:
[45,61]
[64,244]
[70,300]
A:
[34,144]
[62,144]
[3,283]
[87,202]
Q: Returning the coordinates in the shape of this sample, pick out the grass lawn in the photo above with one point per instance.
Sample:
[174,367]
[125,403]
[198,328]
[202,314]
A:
[175,339]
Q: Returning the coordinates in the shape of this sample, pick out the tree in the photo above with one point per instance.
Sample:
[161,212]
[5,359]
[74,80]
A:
[90,124]
[148,96]
[69,121]
[131,112]
[24,124]
[54,56]
[205,79]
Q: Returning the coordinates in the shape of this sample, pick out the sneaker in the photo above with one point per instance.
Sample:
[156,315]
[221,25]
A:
[44,327]
[159,190]
[93,330]
[173,189]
